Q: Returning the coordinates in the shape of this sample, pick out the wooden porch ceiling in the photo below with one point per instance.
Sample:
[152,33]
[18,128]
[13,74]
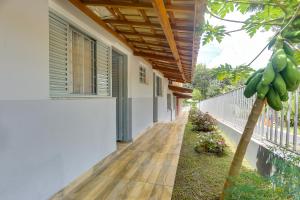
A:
[180,89]
[183,96]
[162,32]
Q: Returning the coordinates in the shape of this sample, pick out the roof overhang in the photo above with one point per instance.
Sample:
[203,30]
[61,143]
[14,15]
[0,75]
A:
[180,89]
[183,96]
[166,33]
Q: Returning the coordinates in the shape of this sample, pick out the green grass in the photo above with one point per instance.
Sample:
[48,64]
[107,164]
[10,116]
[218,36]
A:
[199,176]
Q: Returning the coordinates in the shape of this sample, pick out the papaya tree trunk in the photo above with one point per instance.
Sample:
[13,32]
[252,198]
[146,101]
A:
[237,161]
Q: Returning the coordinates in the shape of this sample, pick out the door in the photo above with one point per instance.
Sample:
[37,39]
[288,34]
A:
[119,90]
[155,100]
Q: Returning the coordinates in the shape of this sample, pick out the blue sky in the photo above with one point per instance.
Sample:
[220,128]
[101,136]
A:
[236,49]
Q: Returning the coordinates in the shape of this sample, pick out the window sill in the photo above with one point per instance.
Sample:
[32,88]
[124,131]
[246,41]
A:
[81,97]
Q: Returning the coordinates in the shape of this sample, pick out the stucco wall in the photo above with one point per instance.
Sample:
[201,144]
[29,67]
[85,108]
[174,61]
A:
[24,49]
[45,144]
[257,154]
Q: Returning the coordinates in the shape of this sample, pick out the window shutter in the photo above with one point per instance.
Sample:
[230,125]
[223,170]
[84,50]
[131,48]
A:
[58,55]
[169,102]
[103,69]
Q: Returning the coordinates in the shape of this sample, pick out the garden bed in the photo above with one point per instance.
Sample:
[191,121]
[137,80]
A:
[200,176]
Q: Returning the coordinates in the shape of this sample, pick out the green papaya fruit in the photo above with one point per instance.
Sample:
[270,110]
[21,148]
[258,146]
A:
[292,58]
[285,97]
[279,85]
[253,74]
[291,75]
[279,60]
[268,74]
[274,100]
[288,48]
[251,87]
[262,90]
[292,86]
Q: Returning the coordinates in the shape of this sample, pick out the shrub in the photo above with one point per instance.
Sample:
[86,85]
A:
[286,176]
[252,186]
[211,142]
[202,121]
[193,114]
[283,184]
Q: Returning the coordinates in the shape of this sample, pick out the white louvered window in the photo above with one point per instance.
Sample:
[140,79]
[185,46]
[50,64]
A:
[169,105]
[79,65]
[174,102]
[159,86]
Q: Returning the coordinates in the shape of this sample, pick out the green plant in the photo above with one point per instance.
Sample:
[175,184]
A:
[252,186]
[211,142]
[201,121]
[287,173]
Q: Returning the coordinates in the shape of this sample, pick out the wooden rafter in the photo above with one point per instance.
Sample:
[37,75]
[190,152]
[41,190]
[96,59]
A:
[181,95]
[199,8]
[165,69]
[160,31]
[180,89]
[188,9]
[153,56]
[93,16]
[164,21]
[148,24]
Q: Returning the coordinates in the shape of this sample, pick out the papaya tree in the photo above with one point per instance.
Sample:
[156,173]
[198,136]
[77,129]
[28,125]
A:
[271,83]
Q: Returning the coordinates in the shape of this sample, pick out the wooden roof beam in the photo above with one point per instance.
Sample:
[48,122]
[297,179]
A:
[180,89]
[93,16]
[158,36]
[199,9]
[162,46]
[165,69]
[135,23]
[164,21]
[184,96]
[120,4]
[155,57]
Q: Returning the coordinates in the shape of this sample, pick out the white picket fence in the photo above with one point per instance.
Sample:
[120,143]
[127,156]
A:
[280,128]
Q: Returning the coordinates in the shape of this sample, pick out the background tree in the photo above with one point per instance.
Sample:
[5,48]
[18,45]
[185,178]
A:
[218,80]
[197,96]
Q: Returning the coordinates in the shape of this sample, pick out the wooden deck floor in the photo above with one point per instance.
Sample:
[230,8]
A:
[145,170]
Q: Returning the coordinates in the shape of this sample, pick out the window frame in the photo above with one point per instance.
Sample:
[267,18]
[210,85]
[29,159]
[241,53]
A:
[169,101]
[70,64]
[142,74]
[97,43]
[159,86]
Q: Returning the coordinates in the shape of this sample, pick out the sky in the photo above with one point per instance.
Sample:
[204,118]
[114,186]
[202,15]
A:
[236,49]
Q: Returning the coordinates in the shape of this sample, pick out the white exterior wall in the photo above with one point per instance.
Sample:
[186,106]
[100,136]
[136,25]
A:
[141,96]
[163,113]
[46,143]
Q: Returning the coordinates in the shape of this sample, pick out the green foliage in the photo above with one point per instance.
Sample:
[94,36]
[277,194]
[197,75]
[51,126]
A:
[221,79]
[197,96]
[286,177]
[252,186]
[211,32]
[263,16]
[283,184]
[211,142]
[202,121]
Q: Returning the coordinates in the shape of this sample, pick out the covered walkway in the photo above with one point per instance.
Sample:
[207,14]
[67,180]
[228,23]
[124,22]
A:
[145,170]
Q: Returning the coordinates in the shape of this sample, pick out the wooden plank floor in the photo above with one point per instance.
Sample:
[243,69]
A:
[146,170]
